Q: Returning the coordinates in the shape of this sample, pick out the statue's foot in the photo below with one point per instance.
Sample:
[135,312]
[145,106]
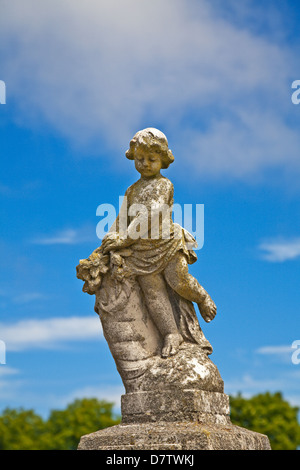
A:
[171,344]
[208,309]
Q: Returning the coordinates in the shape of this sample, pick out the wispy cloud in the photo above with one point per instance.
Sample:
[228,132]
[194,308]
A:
[111,393]
[10,383]
[49,333]
[249,385]
[23,190]
[126,66]
[288,354]
[67,236]
[64,237]
[284,354]
[5,371]
[280,250]
[12,387]
[275,350]
[28,297]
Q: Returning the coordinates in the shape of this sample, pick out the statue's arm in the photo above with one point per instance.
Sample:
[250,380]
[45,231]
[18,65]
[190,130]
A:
[117,236]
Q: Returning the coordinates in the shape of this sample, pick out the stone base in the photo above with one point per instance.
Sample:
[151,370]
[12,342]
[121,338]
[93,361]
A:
[175,420]
[174,436]
[175,405]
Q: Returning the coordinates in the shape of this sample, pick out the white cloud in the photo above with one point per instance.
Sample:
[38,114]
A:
[110,393]
[28,297]
[280,250]
[9,384]
[67,236]
[227,146]
[21,191]
[249,385]
[275,350]
[288,354]
[280,354]
[5,371]
[49,333]
[64,237]
[15,392]
[112,67]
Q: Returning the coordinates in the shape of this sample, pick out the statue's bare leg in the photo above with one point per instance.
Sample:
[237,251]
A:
[182,282]
[157,299]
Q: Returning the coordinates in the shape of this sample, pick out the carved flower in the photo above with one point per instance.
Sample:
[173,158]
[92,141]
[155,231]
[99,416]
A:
[91,271]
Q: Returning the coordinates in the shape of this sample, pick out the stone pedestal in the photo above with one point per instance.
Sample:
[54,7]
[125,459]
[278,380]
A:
[174,436]
[175,420]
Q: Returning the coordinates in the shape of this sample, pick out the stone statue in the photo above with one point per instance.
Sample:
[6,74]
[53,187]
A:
[144,297]
[143,289]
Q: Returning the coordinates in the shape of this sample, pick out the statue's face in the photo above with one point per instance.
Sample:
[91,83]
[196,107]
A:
[147,162]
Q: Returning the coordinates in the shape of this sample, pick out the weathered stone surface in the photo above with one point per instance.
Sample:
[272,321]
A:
[135,343]
[174,436]
[175,405]
[189,368]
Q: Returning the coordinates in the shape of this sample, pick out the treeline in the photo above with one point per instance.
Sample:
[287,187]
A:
[23,429]
[268,414]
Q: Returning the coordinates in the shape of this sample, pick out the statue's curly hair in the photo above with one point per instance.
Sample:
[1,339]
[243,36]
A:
[151,137]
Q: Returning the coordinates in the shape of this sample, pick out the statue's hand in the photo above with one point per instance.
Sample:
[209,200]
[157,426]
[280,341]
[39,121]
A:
[208,309]
[114,242]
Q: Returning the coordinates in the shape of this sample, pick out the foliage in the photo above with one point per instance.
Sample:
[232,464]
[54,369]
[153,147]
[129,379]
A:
[25,430]
[79,418]
[268,414]
[21,429]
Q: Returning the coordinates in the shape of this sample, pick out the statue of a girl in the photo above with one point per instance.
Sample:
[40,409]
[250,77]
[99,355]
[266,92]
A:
[147,253]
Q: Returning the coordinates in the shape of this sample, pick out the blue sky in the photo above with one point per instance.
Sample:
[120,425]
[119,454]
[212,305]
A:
[81,78]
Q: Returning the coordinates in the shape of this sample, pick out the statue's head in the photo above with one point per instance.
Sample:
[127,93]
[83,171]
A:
[151,140]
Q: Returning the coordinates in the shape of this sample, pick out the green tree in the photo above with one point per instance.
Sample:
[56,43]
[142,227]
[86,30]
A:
[21,429]
[81,417]
[25,430]
[268,414]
